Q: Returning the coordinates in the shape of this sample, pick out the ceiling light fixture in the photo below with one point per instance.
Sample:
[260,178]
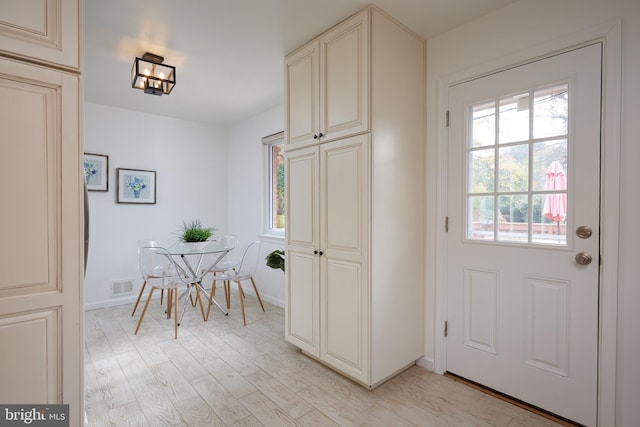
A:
[151,75]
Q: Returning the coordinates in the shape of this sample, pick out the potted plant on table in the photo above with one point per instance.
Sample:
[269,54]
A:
[280,210]
[195,234]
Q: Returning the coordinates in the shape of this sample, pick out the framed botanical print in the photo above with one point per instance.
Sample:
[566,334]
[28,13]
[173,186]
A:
[96,171]
[136,186]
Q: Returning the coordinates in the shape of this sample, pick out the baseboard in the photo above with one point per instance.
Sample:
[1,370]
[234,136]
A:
[130,299]
[427,363]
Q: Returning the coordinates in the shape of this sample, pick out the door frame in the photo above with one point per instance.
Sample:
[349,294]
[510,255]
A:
[610,35]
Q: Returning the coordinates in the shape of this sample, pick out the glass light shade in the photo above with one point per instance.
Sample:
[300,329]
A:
[151,75]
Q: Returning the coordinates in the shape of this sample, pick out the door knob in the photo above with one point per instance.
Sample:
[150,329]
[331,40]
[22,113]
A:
[583,258]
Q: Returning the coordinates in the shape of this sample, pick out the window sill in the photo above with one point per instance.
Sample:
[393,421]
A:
[272,238]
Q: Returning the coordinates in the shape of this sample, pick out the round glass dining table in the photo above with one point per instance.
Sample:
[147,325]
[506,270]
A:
[199,258]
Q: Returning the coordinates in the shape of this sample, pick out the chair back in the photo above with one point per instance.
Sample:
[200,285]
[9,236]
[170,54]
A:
[227,263]
[249,262]
[144,244]
[159,268]
[230,260]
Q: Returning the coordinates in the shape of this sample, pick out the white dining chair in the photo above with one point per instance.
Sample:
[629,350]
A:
[143,244]
[228,263]
[244,271]
[160,271]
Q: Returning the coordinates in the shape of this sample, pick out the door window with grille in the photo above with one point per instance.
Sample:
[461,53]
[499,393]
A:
[517,161]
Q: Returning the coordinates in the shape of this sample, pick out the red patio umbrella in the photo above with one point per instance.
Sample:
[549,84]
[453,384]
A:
[555,204]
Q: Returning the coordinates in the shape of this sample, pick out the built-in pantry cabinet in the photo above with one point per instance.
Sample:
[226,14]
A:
[327,85]
[41,269]
[355,189]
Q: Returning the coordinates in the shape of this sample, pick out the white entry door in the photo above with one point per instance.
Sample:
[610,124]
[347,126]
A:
[523,240]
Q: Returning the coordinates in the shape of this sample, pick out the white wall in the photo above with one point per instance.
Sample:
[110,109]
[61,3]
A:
[502,35]
[246,163]
[191,176]
[204,172]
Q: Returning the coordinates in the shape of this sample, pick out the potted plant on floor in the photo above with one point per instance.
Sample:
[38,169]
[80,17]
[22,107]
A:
[275,259]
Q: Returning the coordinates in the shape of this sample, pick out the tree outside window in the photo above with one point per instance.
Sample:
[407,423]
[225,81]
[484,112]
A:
[277,186]
[275,192]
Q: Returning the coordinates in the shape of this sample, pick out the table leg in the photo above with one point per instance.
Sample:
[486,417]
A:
[197,281]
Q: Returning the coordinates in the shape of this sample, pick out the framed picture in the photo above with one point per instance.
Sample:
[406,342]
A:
[136,186]
[96,171]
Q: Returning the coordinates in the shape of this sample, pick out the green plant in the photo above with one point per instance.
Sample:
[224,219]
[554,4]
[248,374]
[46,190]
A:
[280,189]
[194,231]
[280,205]
[275,259]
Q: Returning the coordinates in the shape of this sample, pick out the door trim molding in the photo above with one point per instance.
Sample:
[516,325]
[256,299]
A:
[610,34]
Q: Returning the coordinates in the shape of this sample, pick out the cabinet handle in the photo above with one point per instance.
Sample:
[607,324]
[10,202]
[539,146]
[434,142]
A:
[315,252]
[320,253]
[321,135]
[316,136]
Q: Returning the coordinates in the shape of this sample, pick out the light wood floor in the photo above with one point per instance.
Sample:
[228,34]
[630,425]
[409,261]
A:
[220,373]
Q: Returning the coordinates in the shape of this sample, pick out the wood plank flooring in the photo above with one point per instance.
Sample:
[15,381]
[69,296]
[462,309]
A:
[221,373]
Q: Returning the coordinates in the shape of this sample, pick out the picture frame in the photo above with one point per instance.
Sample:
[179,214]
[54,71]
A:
[96,171]
[136,186]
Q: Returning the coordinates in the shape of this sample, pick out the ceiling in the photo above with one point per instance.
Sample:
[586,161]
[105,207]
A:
[228,54]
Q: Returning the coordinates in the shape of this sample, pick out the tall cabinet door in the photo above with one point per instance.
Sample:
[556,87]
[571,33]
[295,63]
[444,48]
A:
[344,79]
[344,219]
[302,250]
[41,252]
[301,96]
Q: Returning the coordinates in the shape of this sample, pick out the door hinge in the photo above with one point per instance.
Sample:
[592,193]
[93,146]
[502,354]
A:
[446,328]
[447,118]
[446,225]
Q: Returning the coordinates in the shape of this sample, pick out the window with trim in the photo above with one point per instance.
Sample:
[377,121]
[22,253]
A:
[275,216]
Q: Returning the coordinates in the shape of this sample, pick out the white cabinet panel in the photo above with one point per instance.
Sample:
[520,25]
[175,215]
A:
[42,31]
[30,376]
[302,273]
[29,125]
[301,93]
[344,79]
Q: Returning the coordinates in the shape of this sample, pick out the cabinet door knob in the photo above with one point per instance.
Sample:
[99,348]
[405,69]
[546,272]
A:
[315,136]
[320,253]
[315,252]
[321,135]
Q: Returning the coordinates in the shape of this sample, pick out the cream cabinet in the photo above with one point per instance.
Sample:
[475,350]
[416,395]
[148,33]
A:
[355,234]
[41,268]
[327,85]
[42,31]
[327,252]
